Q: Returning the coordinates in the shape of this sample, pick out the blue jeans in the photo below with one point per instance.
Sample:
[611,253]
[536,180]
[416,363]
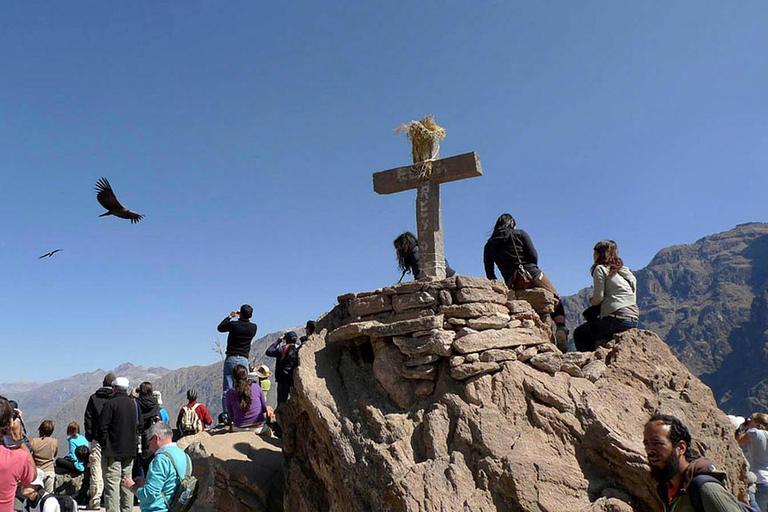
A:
[761,496]
[229,366]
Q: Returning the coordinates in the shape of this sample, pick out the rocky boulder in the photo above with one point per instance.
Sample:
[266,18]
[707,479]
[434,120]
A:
[236,472]
[497,422]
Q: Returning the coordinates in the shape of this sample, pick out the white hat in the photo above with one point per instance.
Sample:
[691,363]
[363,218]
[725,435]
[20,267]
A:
[158,396]
[263,371]
[120,382]
[38,479]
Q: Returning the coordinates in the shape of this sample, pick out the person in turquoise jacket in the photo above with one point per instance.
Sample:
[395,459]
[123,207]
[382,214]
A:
[70,464]
[157,490]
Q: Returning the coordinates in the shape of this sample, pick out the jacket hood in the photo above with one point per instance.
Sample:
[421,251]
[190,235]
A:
[700,466]
[104,392]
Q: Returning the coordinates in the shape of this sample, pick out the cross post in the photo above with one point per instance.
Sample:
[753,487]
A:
[428,213]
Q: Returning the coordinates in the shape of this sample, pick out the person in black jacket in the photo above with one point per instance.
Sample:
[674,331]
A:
[509,249]
[407,252]
[241,334]
[91,423]
[118,429]
[286,351]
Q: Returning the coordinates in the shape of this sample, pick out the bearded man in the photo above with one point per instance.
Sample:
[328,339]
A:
[685,484]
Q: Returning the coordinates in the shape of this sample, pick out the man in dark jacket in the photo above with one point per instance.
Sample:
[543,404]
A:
[683,481]
[241,334]
[91,423]
[118,428]
[286,351]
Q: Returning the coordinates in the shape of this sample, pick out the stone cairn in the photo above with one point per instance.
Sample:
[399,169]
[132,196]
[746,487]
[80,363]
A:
[476,323]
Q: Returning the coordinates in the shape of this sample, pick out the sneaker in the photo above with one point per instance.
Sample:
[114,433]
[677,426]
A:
[561,338]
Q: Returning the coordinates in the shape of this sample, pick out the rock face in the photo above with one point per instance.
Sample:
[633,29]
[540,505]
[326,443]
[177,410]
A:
[236,472]
[510,426]
[709,301]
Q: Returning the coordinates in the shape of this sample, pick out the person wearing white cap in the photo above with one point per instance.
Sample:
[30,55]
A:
[162,413]
[40,500]
[118,430]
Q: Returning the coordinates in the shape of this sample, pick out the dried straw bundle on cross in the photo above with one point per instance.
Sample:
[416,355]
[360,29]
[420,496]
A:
[425,136]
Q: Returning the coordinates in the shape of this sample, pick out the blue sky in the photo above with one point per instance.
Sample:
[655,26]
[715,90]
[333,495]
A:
[247,134]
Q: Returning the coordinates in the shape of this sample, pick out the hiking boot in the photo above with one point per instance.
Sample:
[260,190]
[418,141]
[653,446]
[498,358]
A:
[561,338]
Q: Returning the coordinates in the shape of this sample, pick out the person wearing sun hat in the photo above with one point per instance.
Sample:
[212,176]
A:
[261,374]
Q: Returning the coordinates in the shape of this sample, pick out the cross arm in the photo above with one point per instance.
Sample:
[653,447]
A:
[444,170]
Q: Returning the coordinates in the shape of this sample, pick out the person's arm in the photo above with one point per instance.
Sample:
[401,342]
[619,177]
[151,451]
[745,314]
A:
[490,271]
[72,447]
[55,448]
[225,324]
[104,419]
[598,286]
[717,498]
[274,349]
[205,415]
[88,421]
[152,487]
[529,251]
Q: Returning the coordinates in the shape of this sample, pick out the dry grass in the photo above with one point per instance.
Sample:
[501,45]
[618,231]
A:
[425,136]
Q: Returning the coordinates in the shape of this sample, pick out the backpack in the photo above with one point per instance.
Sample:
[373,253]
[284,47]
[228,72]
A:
[190,421]
[186,493]
[694,489]
[66,503]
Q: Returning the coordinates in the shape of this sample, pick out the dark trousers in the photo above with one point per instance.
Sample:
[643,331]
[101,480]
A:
[585,335]
[283,392]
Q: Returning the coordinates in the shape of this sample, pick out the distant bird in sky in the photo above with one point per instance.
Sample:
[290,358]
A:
[108,200]
[48,254]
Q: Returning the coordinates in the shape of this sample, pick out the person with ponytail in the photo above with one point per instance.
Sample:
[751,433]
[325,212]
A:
[246,406]
[614,291]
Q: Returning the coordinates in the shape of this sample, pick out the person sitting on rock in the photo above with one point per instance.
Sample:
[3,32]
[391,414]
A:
[286,351]
[685,484]
[194,417]
[44,451]
[37,499]
[246,405]
[614,290]
[309,330]
[513,252]
[407,252]
[69,464]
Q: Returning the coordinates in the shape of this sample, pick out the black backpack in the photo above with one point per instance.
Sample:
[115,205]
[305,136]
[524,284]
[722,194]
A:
[66,503]
[694,489]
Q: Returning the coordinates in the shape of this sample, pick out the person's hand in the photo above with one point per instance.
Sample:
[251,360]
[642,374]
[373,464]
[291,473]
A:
[128,482]
[234,314]
[139,481]
[270,412]
[16,425]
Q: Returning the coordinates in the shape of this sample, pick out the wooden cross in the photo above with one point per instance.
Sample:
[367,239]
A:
[428,214]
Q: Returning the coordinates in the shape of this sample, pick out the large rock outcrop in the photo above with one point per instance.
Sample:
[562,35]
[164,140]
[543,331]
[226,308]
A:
[236,471]
[447,395]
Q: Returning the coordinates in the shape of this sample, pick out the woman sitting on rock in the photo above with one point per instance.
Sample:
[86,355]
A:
[246,405]
[69,464]
[615,291]
[513,252]
[45,449]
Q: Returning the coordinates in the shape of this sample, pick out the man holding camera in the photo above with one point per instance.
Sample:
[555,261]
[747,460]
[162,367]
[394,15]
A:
[16,463]
[241,334]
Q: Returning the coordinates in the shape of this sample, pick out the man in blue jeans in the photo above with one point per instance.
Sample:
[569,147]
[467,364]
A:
[241,333]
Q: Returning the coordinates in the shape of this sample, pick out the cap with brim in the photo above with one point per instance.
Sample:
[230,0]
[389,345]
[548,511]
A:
[158,396]
[38,479]
[121,382]
[263,371]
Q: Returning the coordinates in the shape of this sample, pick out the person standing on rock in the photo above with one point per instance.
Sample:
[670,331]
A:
[118,436]
[513,252]
[91,422]
[753,434]
[614,290]
[407,252]
[685,484]
[286,351]
[241,334]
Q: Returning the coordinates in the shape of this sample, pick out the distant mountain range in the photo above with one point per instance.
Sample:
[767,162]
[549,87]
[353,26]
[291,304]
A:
[709,301]
[64,400]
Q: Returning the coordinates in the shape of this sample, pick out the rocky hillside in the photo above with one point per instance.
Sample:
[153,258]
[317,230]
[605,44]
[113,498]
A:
[709,302]
[449,395]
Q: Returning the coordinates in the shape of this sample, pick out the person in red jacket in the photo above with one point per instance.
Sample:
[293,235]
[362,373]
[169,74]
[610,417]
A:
[200,410]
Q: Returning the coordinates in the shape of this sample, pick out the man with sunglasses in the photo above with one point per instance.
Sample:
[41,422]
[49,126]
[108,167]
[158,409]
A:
[169,465]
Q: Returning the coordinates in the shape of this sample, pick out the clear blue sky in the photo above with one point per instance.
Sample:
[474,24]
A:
[247,133]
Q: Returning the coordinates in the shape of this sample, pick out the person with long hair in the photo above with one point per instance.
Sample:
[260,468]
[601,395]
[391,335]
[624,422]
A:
[753,434]
[44,451]
[407,253]
[70,464]
[246,406]
[513,252]
[614,290]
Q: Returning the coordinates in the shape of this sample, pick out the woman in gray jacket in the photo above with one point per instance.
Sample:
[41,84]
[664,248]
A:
[615,291]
